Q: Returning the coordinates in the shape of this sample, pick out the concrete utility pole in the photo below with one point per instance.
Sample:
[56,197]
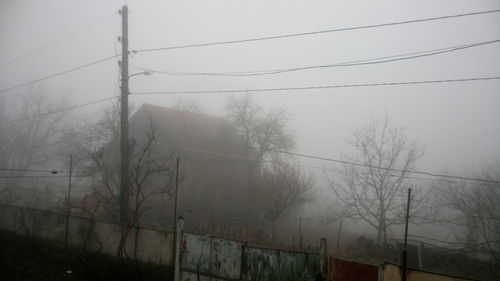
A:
[405,248]
[124,164]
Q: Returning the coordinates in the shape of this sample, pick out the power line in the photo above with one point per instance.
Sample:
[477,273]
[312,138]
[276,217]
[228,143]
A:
[378,60]
[324,159]
[387,169]
[314,32]
[2,91]
[56,41]
[30,177]
[321,87]
[62,110]
[31,170]
[34,177]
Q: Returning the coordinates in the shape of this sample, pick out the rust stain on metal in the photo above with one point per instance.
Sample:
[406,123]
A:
[341,270]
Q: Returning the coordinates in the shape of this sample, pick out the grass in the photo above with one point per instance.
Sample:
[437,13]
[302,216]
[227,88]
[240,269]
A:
[23,258]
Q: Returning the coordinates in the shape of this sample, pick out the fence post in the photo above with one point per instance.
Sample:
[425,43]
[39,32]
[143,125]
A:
[243,266]
[178,242]
[68,203]
[324,257]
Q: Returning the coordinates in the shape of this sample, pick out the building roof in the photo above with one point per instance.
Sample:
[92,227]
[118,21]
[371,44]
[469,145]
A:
[188,131]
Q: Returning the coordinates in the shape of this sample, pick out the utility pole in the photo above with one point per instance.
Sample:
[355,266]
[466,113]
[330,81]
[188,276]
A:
[176,188]
[68,202]
[124,164]
[175,203]
[405,248]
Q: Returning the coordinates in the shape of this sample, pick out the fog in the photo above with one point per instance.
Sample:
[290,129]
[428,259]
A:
[458,123]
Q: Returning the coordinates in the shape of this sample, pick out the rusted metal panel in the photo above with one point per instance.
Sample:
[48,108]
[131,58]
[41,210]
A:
[393,273]
[341,270]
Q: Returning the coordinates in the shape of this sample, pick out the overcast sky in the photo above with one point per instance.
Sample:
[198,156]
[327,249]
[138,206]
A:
[459,122]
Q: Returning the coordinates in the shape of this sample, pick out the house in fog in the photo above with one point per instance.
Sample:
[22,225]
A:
[213,188]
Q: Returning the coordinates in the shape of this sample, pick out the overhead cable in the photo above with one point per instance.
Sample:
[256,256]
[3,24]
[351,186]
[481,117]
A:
[315,32]
[34,51]
[31,170]
[321,87]
[35,177]
[325,159]
[62,110]
[387,169]
[378,60]
[3,91]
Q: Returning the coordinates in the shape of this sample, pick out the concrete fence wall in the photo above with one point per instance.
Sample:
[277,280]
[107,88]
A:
[152,245]
[202,257]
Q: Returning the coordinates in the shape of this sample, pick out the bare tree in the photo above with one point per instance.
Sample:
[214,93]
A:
[188,106]
[151,170]
[264,132]
[475,210]
[373,191]
[30,131]
[283,188]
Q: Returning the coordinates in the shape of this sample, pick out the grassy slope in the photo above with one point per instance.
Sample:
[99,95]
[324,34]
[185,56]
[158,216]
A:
[31,259]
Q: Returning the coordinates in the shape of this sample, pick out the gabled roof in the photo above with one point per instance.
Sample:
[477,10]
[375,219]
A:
[188,130]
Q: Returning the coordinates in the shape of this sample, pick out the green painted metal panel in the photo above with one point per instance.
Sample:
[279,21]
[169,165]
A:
[276,265]
[195,252]
[226,258]
[222,259]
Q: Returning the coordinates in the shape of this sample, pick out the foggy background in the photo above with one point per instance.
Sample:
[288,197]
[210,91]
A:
[459,123]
